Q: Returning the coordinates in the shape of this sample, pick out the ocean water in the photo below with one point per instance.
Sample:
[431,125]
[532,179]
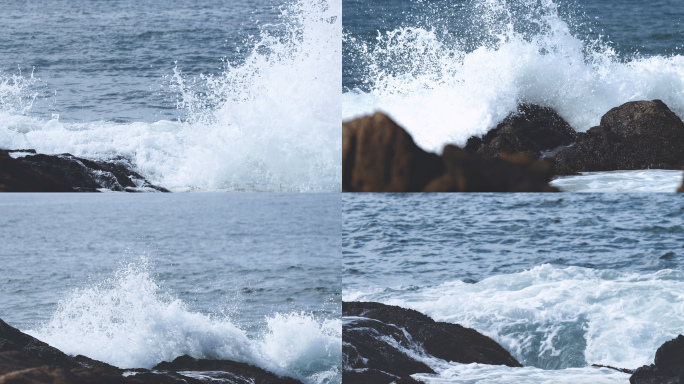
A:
[561,281]
[136,280]
[201,95]
[450,69]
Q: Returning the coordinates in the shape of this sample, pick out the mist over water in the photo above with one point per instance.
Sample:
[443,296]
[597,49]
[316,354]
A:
[267,121]
[450,70]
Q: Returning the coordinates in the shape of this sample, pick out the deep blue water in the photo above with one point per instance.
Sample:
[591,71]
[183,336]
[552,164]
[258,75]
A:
[424,239]
[113,60]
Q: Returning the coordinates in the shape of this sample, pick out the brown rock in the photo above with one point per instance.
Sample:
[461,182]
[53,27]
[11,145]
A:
[468,172]
[380,156]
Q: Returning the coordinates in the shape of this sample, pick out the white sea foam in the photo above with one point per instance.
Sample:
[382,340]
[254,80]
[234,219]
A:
[557,318]
[651,180]
[127,321]
[445,90]
[269,123]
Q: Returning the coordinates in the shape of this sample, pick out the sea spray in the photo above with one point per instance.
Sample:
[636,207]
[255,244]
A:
[130,322]
[268,123]
[446,82]
[555,318]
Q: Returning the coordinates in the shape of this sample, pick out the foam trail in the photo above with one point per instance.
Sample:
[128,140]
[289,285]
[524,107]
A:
[270,123]
[651,180]
[557,318]
[445,89]
[127,321]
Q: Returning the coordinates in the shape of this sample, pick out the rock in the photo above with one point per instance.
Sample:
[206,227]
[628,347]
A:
[368,356]
[635,135]
[533,130]
[18,177]
[248,373]
[380,156]
[450,342]
[681,189]
[371,376]
[86,175]
[467,172]
[12,339]
[667,368]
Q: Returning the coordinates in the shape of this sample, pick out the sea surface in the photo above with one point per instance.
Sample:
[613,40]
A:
[450,69]
[201,95]
[134,280]
[562,281]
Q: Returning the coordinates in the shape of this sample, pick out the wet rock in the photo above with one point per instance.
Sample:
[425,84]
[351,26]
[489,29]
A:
[635,135]
[533,130]
[239,372]
[450,342]
[380,156]
[376,352]
[372,376]
[18,177]
[667,368]
[86,175]
[12,339]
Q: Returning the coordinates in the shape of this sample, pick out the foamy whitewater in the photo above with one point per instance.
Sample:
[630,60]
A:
[134,280]
[128,322]
[560,283]
[451,70]
[266,122]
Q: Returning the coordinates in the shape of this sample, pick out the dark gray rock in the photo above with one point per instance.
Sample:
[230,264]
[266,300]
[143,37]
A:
[667,368]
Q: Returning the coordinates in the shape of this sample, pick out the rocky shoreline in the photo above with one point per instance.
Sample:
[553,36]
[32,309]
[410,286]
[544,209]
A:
[523,153]
[385,343]
[25,359]
[24,170]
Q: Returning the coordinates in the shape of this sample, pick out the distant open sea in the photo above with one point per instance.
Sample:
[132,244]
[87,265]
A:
[202,95]
[562,281]
[450,69]
[134,280]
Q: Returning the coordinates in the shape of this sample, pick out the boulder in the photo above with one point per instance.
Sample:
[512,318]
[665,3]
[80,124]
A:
[380,156]
[667,368]
[533,130]
[450,342]
[635,135]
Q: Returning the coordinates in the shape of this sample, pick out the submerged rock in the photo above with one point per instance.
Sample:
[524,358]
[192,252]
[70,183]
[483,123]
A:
[667,368]
[65,172]
[635,135]
[384,343]
[532,130]
[25,359]
[380,156]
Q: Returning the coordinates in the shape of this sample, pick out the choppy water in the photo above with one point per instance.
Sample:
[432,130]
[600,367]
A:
[561,281]
[450,69]
[134,280]
[198,96]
